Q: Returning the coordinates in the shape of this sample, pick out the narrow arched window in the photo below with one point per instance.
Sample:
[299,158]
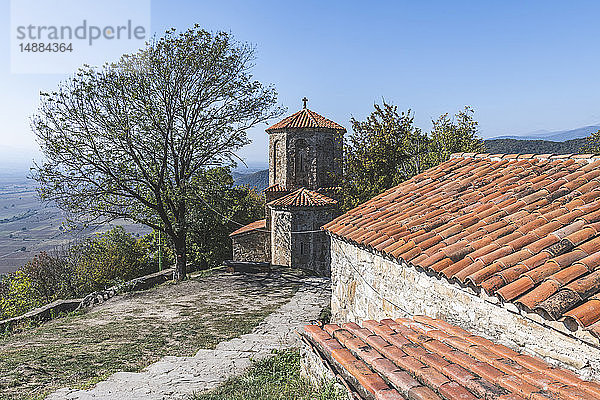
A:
[302,163]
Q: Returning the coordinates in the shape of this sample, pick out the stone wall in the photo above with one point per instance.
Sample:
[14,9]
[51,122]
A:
[277,156]
[52,310]
[281,228]
[252,246]
[296,239]
[314,369]
[368,286]
[311,250]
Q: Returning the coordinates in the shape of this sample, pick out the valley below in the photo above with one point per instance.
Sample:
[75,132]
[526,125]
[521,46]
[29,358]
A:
[28,226]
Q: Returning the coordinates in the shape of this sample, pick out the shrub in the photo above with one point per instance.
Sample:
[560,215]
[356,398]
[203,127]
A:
[18,295]
[108,258]
[94,264]
[51,275]
[150,243]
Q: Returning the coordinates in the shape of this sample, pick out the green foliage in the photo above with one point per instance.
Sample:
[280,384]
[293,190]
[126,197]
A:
[276,378]
[512,146]
[52,276]
[151,243]
[17,295]
[217,204]
[592,144]
[132,139]
[381,152]
[453,136]
[94,264]
[387,149]
[109,258]
[325,315]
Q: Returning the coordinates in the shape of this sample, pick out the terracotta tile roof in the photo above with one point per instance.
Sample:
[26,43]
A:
[260,224]
[275,188]
[303,198]
[425,358]
[306,118]
[329,189]
[525,228]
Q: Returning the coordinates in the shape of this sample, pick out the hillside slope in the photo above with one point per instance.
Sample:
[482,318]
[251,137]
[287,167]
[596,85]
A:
[556,136]
[509,146]
[258,180]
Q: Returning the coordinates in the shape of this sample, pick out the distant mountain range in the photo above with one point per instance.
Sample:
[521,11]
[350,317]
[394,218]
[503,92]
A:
[555,136]
[511,146]
[258,180]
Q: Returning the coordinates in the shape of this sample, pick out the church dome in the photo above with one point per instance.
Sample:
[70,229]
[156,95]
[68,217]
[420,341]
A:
[306,119]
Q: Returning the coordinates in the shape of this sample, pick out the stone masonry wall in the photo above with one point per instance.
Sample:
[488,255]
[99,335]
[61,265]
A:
[361,280]
[296,239]
[311,250]
[277,155]
[281,227]
[252,246]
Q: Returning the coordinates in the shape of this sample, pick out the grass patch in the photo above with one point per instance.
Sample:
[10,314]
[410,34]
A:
[276,378]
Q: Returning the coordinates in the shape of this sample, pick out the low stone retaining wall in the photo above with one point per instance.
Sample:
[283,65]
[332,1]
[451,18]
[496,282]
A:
[50,311]
[318,371]
[44,313]
[134,285]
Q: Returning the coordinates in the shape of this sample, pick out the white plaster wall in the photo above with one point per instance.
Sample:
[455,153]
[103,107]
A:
[359,275]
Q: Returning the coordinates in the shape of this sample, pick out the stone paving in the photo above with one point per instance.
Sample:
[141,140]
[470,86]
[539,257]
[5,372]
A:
[179,377]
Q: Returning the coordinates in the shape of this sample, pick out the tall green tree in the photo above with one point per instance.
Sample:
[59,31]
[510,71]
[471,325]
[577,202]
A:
[592,144]
[132,139]
[387,149]
[220,208]
[380,152]
[453,135]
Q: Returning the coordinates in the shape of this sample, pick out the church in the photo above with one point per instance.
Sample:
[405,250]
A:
[305,164]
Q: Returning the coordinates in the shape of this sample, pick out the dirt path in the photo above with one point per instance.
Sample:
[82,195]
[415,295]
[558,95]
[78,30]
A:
[131,331]
[179,377]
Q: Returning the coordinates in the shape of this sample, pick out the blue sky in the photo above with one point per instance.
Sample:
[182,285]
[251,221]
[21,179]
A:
[523,66]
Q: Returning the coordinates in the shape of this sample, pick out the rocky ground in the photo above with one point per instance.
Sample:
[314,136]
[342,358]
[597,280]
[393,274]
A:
[180,377]
[161,329]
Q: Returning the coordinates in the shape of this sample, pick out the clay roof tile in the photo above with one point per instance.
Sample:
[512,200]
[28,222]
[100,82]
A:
[251,227]
[420,356]
[303,198]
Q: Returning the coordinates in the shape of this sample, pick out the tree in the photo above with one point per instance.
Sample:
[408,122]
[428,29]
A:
[17,295]
[453,136]
[106,259]
[131,139]
[220,208]
[379,153]
[592,144]
[387,149]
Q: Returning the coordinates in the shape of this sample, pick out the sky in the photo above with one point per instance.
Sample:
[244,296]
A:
[523,66]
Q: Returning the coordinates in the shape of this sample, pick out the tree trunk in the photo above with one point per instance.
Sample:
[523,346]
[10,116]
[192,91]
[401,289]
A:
[180,264]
